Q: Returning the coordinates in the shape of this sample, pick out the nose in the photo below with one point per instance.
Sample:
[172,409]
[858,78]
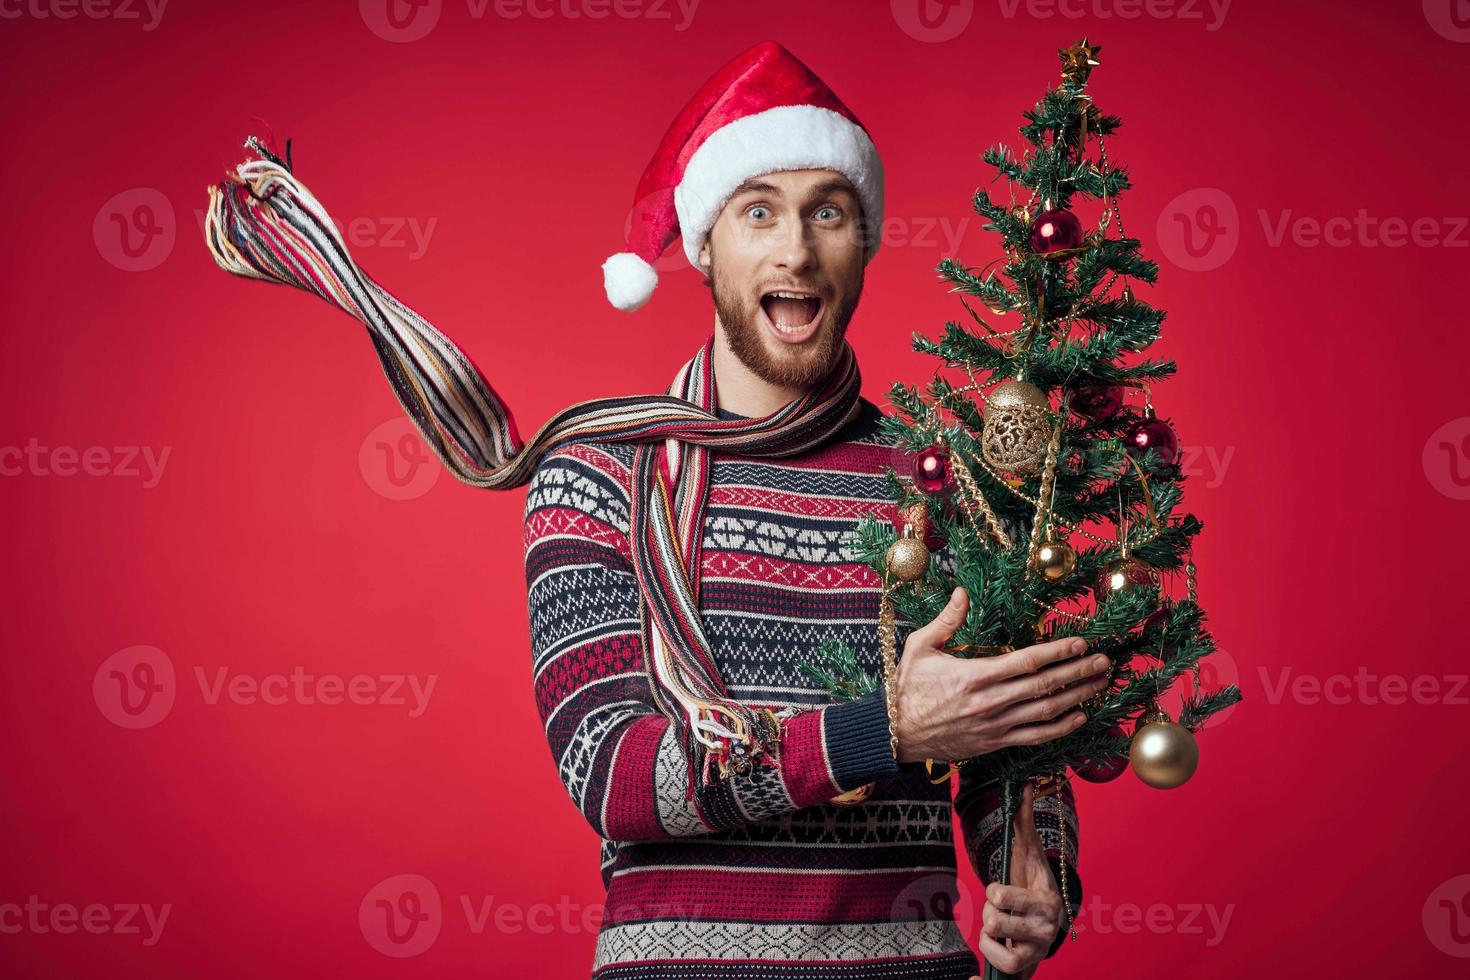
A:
[794,253]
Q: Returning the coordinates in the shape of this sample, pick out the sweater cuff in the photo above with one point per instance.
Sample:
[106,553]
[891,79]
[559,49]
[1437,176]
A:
[859,746]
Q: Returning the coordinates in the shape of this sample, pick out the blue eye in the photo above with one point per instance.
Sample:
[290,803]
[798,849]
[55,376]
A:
[829,210]
[759,212]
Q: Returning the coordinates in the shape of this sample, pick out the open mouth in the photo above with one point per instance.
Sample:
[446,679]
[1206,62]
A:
[792,315]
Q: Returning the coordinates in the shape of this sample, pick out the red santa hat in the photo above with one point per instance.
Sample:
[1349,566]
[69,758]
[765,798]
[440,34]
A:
[764,111]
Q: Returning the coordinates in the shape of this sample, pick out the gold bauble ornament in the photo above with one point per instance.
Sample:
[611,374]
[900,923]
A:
[908,559]
[1017,427]
[1054,560]
[1121,576]
[1163,754]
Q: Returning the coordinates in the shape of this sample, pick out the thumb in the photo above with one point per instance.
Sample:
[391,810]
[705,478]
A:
[937,631]
[1026,836]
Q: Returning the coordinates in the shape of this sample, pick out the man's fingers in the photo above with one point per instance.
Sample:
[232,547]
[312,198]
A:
[1052,706]
[1045,731]
[938,630]
[1010,898]
[1018,690]
[1028,660]
[1006,960]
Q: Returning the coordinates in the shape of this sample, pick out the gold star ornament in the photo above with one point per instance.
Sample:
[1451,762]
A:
[1079,60]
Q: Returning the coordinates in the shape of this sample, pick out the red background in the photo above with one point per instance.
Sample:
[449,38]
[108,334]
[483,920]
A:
[1334,533]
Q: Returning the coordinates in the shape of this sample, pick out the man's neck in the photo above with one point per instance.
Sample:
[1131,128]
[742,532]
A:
[739,389]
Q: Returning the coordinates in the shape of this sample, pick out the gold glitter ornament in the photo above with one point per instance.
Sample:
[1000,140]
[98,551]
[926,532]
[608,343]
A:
[908,559]
[1017,427]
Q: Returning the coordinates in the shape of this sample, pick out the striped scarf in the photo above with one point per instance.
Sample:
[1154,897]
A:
[264,224]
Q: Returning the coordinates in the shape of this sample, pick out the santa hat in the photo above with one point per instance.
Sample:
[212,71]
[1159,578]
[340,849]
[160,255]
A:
[764,111]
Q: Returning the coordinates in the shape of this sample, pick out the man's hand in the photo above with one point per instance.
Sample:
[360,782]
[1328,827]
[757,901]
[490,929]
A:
[1021,920]
[953,708]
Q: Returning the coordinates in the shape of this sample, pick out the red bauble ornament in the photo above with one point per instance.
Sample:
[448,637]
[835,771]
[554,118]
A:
[932,473]
[1105,770]
[1096,401]
[1155,434]
[1054,231]
[1158,618]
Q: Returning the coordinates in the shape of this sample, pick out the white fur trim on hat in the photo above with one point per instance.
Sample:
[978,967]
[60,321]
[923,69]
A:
[788,137]
[628,280]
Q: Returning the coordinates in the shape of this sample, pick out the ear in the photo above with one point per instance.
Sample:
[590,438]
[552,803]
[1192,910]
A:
[704,254]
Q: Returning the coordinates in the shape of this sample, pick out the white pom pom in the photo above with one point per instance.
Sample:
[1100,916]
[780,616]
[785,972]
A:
[628,280]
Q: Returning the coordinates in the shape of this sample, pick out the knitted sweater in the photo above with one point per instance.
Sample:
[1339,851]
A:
[758,876]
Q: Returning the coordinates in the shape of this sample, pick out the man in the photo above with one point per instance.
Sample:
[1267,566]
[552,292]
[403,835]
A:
[684,552]
[834,856]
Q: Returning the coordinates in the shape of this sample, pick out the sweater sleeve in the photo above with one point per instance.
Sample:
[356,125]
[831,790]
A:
[617,755]
[982,821]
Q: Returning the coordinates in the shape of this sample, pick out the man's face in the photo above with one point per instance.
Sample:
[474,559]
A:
[785,258]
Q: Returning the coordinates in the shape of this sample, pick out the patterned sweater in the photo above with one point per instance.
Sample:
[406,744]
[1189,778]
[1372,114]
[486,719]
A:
[758,876]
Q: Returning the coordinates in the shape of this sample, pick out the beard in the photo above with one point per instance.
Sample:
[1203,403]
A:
[793,366]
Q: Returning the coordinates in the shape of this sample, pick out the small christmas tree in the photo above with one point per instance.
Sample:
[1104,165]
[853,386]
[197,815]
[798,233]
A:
[1055,496]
